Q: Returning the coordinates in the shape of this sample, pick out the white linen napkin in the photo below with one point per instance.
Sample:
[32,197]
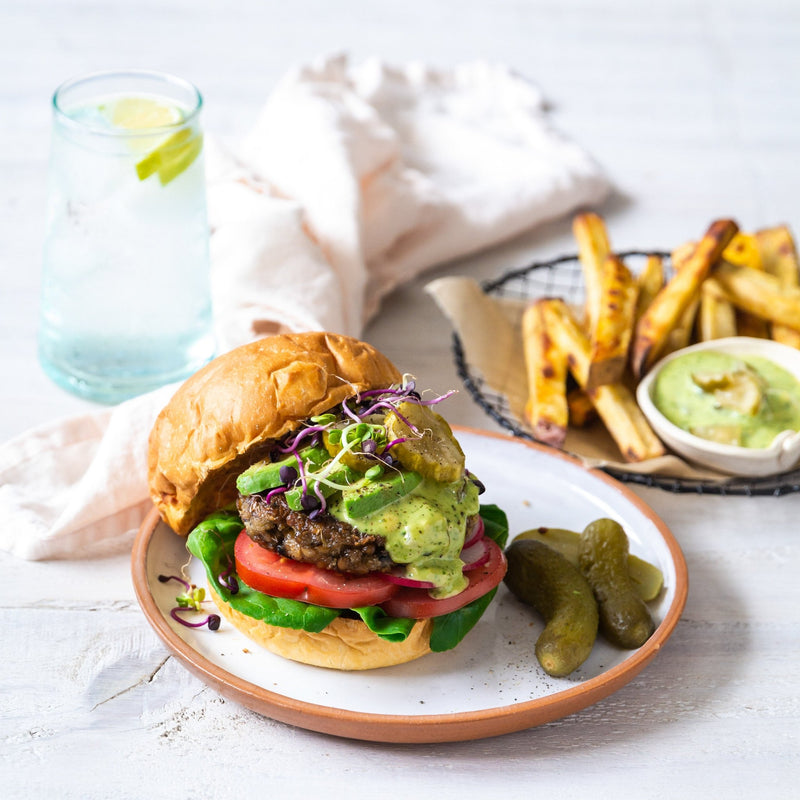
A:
[353,180]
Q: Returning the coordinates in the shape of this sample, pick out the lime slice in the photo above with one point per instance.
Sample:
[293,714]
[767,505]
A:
[181,160]
[174,155]
[140,113]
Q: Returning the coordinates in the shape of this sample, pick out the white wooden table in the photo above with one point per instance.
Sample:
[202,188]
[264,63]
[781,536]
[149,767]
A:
[694,109]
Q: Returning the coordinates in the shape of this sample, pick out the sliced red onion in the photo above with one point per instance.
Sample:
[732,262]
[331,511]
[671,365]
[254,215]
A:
[475,531]
[476,555]
[401,580]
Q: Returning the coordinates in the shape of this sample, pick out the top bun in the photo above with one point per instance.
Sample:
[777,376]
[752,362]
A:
[228,415]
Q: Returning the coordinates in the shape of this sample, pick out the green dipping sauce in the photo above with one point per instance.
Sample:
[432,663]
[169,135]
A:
[745,401]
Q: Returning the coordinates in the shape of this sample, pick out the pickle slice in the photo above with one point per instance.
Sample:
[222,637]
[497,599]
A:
[721,434]
[430,447]
[738,390]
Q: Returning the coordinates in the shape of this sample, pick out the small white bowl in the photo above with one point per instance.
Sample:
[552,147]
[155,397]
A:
[784,452]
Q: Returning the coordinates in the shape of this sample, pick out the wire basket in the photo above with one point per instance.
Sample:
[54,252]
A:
[563,277]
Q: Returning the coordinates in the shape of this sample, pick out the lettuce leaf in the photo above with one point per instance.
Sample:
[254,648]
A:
[495,523]
[394,629]
[212,542]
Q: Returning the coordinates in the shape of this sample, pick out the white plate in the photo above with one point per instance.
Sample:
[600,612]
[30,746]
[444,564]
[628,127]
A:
[491,683]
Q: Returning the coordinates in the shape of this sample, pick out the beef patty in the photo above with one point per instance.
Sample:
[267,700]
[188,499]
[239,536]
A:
[323,541]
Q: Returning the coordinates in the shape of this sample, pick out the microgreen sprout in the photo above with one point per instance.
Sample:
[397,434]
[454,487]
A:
[357,426]
[212,620]
[288,474]
[191,599]
[228,580]
[167,578]
[349,412]
[273,492]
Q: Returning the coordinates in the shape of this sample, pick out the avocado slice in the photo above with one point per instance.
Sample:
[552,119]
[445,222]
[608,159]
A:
[343,476]
[264,475]
[376,495]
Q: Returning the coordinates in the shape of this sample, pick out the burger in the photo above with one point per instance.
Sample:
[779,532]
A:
[328,501]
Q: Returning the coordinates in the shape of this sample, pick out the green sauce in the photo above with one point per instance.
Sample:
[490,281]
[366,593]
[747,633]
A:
[745,401]
[424,530]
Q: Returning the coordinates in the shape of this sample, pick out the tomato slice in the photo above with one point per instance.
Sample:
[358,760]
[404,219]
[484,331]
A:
[267,572]
[418,604]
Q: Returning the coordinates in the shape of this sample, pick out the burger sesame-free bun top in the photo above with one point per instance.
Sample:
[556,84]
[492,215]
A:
[228,415]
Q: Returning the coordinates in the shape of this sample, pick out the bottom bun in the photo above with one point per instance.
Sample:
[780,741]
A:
[346,644]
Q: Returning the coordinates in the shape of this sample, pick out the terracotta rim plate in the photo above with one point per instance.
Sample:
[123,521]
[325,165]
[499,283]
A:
[491,683]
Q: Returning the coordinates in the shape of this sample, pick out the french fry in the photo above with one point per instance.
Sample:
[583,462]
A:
[717,315]
[627,425]
[748,324]
[672,301]
[593,250]
[779,258]
[650,281]
[546,366]
[778,254]
[680,255]
[581,409]
[681,334]
[759,293]
[614,402]
[569,337]
[613,329]
[743,250]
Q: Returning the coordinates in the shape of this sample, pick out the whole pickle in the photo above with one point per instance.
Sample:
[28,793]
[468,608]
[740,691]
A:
[647,578]
[544,579]
[603,559]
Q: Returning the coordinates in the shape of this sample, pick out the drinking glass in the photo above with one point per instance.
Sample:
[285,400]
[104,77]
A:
[126,300]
